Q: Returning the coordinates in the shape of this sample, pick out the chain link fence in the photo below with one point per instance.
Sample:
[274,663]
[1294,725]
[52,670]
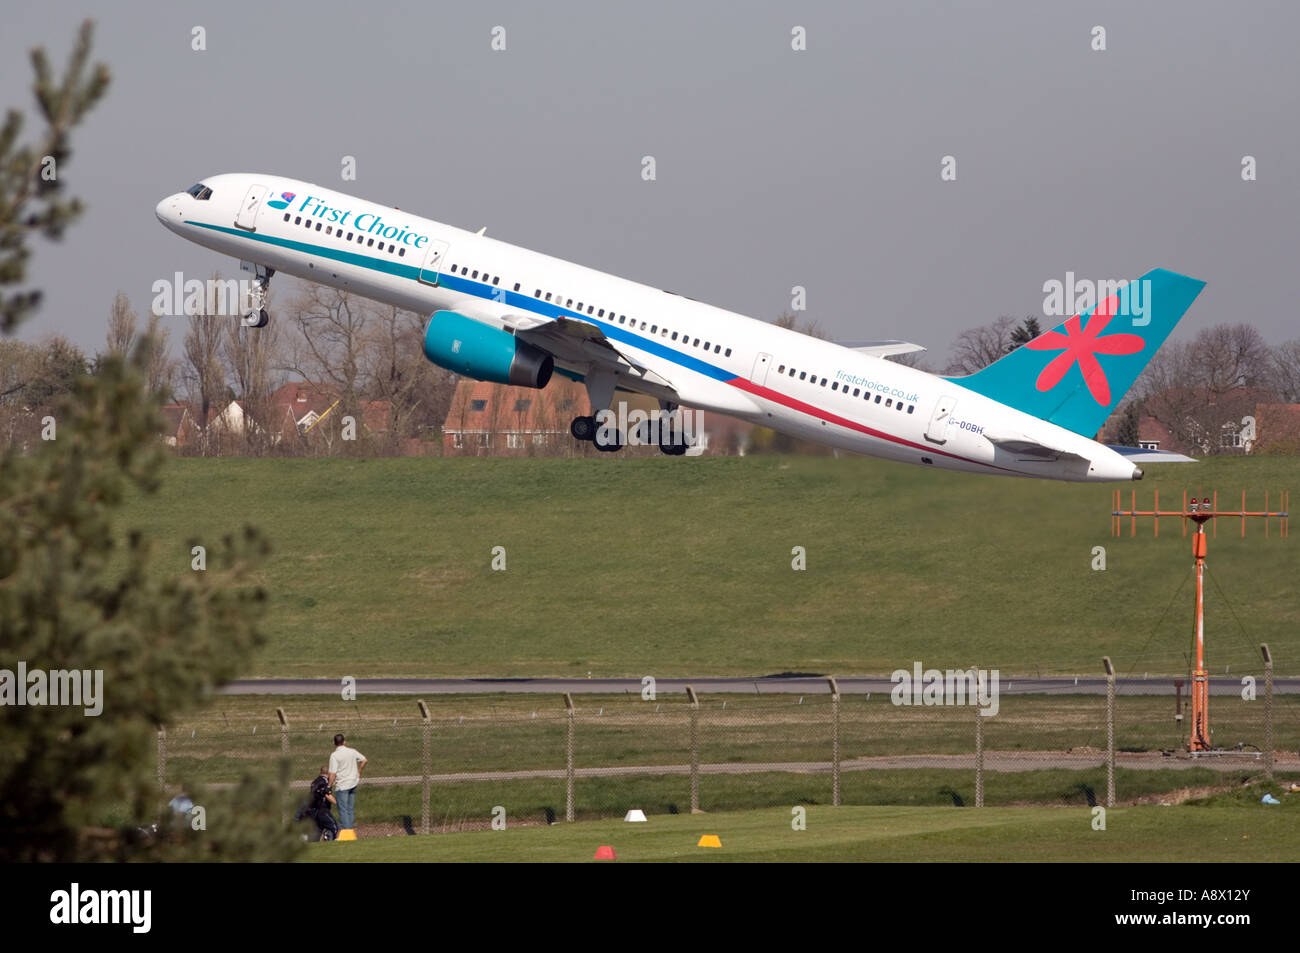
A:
[470,761]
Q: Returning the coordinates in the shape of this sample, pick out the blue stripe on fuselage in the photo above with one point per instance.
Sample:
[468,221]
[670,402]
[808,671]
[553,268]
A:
[479,289]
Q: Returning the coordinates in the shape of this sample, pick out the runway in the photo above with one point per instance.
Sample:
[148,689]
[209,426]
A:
[768,685]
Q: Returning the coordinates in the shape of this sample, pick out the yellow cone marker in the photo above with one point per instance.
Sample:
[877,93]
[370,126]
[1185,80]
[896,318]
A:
[709,840]
[347,833]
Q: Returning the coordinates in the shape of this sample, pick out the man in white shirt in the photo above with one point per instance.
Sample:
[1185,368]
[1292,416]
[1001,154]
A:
[346,765]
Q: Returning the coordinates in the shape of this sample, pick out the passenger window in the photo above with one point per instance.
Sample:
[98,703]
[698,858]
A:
[370,243]
[516,286]
[600,313]
[674,335]
[855,392]
[889,402]
[823,382]
[654,328]
[835,386]
[911,407]
[329,230]
[706,345]
[318,226]
[474,274]
[401,252]
[728,354]
[877,398]
[548,296]
[803,375]
[286,216]
[496,279]
[349,236]
[298,220]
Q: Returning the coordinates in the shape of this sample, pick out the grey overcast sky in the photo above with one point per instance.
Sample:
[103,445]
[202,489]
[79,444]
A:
[775,168]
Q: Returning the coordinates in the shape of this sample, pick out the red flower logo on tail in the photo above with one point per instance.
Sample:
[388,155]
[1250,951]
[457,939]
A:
[1081,346]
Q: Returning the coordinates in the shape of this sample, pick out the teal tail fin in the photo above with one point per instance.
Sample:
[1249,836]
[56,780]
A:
[1076,374]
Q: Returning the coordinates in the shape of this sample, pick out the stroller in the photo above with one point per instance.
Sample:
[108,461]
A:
[317,807]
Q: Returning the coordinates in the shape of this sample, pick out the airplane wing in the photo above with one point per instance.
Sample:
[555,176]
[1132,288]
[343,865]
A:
[882,348]
[581,344]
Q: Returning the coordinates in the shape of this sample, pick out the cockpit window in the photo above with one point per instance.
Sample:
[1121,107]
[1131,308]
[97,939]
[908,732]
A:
[200,191]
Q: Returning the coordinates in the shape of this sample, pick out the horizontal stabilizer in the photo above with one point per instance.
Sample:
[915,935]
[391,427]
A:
[1023,446]
[1139,455]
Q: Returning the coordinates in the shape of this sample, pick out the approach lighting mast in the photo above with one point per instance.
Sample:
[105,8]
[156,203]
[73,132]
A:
[1199,512]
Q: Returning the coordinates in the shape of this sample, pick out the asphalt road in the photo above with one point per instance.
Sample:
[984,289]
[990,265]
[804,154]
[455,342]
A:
[774,685]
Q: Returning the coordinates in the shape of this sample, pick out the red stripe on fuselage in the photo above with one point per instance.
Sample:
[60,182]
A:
[812,411]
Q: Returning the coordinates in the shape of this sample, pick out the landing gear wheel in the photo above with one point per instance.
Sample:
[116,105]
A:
[257,316]
[673,449]
[617,443]
[583,428]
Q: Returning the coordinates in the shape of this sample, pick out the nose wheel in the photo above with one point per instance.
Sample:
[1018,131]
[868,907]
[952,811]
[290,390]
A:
[257,316]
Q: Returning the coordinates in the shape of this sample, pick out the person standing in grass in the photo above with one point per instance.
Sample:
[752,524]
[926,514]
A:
[346,765]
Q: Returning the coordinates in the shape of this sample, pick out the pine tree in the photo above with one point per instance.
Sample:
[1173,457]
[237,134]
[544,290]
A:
[1027,330]
[80,592]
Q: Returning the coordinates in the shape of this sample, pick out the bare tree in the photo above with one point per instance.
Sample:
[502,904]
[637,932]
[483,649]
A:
[1199,390]
[416,391]
[790,321]
[977,348]
[1286,371]
[252,356]
[203,373]
[124,336]
[122,321]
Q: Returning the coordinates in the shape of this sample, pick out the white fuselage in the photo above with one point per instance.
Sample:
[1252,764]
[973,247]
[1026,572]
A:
[699,355]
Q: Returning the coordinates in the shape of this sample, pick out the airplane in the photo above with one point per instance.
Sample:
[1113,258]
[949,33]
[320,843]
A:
[501,313]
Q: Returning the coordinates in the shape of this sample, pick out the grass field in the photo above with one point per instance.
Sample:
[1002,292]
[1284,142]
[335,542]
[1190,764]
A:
[1228,829]
[671,566]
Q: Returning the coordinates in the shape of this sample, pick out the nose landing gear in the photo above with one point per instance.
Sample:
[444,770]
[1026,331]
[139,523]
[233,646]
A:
[257,316]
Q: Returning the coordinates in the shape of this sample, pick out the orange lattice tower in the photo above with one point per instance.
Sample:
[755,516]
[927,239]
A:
[1199,513]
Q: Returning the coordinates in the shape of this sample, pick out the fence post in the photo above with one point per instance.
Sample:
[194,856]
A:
[568,759]
[695,749]
[284,751]
[835,741]
[1268,709]
[426,764]
[1110,731]
[979,750]
[162,757]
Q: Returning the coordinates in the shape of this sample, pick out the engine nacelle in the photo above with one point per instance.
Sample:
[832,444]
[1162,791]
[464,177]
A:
[476,350]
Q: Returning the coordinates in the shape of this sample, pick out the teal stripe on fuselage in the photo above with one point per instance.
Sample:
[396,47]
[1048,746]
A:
[478,289]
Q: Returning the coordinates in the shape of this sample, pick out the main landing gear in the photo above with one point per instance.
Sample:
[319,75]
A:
[586,428]
[258,316]
[671,441]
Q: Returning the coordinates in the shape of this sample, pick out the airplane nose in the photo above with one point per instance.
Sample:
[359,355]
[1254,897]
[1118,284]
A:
[169,211]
